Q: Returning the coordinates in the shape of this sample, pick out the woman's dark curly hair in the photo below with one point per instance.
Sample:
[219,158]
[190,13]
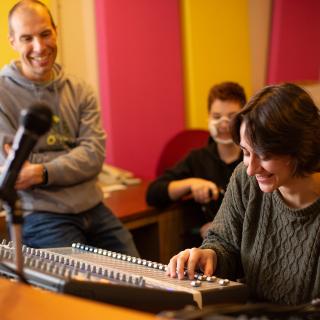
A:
[282,120]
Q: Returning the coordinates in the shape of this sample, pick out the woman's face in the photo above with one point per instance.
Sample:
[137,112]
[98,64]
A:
[272,172]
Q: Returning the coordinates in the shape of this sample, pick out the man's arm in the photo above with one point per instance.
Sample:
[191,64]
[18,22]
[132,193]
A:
[84,161]
[158,191]
[201,190]
[65,165]
[180,181]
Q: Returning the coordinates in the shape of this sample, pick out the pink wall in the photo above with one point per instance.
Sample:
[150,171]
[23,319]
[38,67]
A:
[140,74]
[295,41]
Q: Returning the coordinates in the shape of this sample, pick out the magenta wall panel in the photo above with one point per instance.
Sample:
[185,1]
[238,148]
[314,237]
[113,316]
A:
[141,81]
[295,41]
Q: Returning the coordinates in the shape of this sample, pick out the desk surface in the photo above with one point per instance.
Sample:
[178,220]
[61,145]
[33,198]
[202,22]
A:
[18,301]
[130,203]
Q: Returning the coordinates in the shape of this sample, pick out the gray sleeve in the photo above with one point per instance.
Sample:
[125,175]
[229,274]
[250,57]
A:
[225,233]
[6,137]
[84,161]
[9,122]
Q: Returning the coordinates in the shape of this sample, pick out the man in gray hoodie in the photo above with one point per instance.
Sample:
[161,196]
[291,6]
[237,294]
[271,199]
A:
[60,198]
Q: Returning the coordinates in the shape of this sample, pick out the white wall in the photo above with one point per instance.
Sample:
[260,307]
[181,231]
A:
[77,42]
[314,90]
[259,31]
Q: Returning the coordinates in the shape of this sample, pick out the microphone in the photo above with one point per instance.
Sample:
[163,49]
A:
[34,122]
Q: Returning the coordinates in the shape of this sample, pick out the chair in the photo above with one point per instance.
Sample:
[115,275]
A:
[179,146]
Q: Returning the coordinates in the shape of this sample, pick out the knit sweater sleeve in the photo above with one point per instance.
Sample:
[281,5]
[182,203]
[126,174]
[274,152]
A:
[225,234]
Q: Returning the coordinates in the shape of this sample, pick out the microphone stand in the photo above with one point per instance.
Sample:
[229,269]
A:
[15,218]
[35,121]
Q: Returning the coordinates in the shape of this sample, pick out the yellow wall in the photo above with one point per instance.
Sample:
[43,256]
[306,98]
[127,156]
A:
[6,52]
[216,48]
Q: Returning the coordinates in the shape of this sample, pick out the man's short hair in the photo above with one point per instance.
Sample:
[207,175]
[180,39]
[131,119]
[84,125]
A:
[25,3]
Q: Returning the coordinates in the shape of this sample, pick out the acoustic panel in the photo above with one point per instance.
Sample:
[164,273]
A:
[139,52]
[216,45]
[295,41]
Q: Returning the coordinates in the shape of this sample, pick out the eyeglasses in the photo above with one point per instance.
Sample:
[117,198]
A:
[218,116]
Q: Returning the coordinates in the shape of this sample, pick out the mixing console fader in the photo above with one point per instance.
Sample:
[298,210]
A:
[116,278]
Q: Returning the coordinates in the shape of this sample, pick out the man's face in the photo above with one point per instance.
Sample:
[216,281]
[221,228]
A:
[35,39]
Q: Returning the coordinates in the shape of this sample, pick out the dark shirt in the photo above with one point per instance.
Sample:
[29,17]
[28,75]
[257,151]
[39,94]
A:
[202,163]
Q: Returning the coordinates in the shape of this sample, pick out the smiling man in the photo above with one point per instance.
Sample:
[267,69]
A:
[34,35]
[61,200]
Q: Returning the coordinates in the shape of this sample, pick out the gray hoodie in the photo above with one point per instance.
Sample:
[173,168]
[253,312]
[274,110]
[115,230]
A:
[72,151]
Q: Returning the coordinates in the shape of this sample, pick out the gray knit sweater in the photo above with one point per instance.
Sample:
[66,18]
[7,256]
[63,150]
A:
[276,248]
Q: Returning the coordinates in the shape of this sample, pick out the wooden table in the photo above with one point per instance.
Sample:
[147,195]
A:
[19,301]
[129,205]
[3,226]
[158,234]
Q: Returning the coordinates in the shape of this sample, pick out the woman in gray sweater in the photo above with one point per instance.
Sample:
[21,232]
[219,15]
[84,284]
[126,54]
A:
[267,230]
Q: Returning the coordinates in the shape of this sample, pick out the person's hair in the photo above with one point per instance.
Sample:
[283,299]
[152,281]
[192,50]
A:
[27,3]
[227,91]
[282,120]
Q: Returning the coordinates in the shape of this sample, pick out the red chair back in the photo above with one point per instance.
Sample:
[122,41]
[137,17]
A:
[179,146]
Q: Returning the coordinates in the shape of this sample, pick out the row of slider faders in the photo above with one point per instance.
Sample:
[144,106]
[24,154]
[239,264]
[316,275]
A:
[66,267]
[46,269]
[61,273]
[115,278]
[120,256]
[198,277]
[203,289]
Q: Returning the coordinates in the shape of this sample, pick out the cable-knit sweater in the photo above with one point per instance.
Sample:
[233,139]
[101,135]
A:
[276,248]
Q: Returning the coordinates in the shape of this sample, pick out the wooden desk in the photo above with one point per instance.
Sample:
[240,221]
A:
[129,205]
[3,226]
[158,234]
[18,301]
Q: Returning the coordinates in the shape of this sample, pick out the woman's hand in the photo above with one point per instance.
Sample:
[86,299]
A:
[190,260]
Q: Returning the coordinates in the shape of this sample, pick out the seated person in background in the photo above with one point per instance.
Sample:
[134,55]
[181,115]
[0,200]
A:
[268,226]
[60,198]
[205,172]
